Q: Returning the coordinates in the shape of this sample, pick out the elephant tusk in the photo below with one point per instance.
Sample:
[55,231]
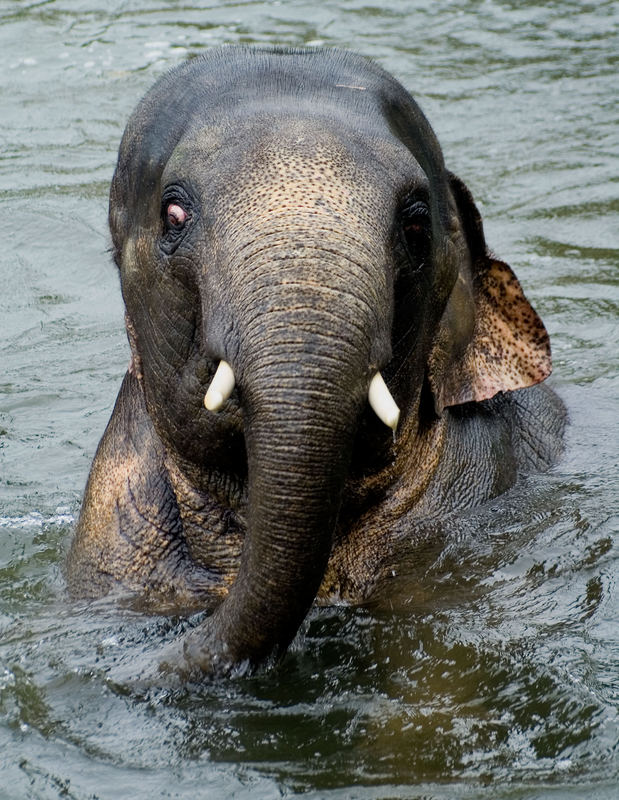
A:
[383,403]
[221,387]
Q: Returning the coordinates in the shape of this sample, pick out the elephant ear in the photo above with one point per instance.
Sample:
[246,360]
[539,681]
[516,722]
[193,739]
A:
[489,339]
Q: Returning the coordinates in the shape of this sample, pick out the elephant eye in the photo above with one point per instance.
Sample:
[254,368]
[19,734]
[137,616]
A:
[415,216]
[415,230]
[176,216]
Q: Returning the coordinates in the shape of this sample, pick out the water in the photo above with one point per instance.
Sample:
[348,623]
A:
[490,667]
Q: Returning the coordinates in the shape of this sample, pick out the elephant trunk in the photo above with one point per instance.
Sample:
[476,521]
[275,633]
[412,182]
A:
[297,468]
[303,388]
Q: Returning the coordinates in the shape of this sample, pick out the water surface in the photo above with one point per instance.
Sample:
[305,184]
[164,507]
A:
[490,669]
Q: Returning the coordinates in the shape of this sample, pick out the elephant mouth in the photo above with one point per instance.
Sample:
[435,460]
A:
[372,443]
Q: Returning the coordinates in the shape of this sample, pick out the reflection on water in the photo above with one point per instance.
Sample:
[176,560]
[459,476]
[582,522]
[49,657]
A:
[489,667]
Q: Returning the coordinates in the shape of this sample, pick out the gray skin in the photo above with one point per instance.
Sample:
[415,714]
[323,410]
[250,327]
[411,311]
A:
[320,239]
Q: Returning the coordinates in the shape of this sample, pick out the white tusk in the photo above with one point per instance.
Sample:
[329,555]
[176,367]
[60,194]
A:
[221,387]
[383,403]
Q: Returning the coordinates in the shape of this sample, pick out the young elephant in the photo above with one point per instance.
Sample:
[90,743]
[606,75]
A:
[295,257]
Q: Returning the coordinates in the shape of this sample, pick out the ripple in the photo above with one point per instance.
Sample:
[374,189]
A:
[35,519]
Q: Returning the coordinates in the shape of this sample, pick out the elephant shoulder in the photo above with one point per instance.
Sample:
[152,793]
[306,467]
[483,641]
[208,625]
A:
[129,534]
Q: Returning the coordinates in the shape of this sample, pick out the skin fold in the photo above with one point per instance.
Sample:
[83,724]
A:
[288,213]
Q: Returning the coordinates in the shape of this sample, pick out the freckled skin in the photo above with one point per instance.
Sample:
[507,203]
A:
[290,213]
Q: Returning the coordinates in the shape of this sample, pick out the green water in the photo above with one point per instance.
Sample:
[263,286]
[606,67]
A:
[490,668]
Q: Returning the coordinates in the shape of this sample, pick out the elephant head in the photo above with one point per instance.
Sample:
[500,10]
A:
[294,257]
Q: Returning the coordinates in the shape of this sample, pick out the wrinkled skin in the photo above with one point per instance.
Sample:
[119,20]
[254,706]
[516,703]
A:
[290,213]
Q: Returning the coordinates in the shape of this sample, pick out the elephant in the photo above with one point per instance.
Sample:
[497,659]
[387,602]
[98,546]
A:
[324,352]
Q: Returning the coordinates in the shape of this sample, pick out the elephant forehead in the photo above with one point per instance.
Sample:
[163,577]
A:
[317,176]
[299,167]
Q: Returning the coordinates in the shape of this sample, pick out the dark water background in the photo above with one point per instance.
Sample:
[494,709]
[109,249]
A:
[491,669]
